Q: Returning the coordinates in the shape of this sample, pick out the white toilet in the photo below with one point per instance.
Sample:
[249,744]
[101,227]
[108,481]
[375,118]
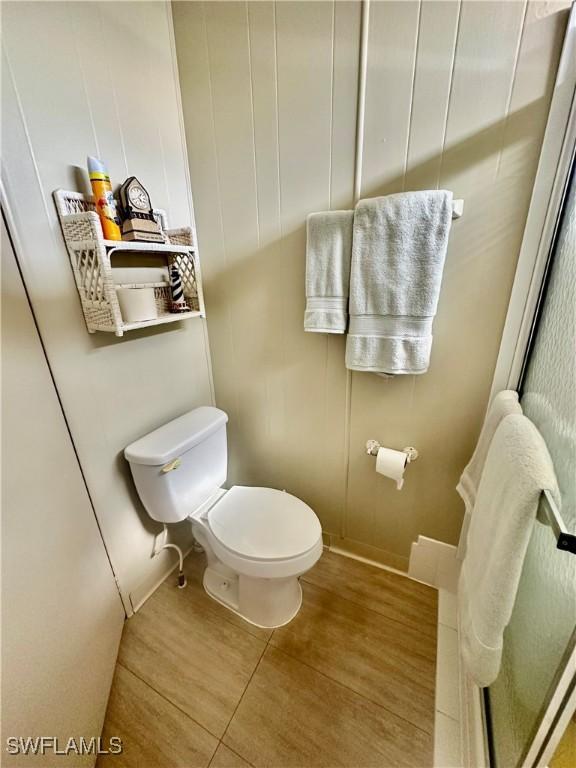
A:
[257,540]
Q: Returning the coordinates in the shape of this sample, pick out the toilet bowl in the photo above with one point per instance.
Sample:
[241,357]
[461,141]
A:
[258,541]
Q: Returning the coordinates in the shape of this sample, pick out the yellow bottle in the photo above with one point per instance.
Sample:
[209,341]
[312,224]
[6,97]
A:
[104,199]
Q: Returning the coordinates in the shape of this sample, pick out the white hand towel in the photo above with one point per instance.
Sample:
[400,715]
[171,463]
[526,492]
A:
[503,404]
[398,251]
[328,253]
[518,468]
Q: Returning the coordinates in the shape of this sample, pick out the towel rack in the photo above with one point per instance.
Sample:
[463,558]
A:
[457,208]
[564,539]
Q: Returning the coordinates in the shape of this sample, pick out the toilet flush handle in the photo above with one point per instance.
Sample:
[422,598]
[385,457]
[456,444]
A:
[172,465]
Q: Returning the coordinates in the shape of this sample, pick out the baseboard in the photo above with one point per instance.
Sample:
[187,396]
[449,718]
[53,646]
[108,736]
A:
[366,553]
[434,562]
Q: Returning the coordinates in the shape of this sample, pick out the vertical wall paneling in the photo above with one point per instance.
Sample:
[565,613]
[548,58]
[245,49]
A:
[62,617]
[271,152]
[263,74]
[313,372]
[68,92]
[482,254]
[391,57]
[433,76]
[456,96]
[392,42]
[228,52]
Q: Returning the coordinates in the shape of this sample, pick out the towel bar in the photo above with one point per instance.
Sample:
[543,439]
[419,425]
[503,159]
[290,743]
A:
[564,539]
[457,208]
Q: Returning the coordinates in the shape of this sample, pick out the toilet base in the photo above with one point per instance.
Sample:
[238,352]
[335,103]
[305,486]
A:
[266,603]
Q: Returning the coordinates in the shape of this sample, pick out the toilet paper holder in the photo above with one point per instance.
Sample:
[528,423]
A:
[373,446]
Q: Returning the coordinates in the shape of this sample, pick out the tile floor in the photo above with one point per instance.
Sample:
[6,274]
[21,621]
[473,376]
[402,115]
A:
[349,682]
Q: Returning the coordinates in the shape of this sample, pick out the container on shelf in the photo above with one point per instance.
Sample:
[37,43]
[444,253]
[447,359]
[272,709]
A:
[137,303]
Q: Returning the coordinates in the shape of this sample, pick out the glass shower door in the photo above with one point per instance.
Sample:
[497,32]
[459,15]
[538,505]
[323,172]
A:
[540,639]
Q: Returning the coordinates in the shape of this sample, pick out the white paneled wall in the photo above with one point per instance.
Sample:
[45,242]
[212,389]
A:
[99,78]
[456,96]
[62,617]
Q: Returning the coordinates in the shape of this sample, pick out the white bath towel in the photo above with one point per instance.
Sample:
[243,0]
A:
[328,253]
[503,404]
[518,468]
[398,252]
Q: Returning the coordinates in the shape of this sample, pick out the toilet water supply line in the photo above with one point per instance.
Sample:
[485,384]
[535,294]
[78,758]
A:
[169,545]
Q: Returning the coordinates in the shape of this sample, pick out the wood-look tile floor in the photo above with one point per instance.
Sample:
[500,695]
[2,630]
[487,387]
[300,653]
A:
[349,682]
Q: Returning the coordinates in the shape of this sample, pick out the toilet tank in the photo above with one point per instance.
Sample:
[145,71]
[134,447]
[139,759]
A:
[177,467]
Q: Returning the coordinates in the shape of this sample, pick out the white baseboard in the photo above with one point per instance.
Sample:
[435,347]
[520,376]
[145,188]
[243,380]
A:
[434,562]
[366,553]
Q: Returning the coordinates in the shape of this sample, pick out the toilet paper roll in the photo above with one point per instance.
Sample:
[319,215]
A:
[392,464]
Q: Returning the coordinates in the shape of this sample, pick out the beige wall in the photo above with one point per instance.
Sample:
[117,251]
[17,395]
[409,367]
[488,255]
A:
[62,617]
[457,96]
[98,78]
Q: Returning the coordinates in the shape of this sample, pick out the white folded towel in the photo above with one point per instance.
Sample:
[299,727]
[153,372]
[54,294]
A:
[518,468]
[503,404]
[398,252]
[328,253]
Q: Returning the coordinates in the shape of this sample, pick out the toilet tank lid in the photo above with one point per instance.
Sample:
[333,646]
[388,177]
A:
[176,437]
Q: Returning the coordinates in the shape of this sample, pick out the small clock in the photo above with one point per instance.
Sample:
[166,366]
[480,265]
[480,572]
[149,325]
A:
[138,222]
[139,197]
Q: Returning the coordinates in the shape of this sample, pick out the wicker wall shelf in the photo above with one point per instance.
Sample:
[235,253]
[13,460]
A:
[91,258]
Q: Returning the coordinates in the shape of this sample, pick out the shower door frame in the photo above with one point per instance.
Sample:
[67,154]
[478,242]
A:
[550,185]
[548,730]
[557,164]
[560,704]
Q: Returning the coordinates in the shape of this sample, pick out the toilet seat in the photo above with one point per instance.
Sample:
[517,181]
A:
[264,524]
[261,532]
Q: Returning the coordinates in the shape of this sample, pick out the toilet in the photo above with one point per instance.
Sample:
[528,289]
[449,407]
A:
[258,541]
